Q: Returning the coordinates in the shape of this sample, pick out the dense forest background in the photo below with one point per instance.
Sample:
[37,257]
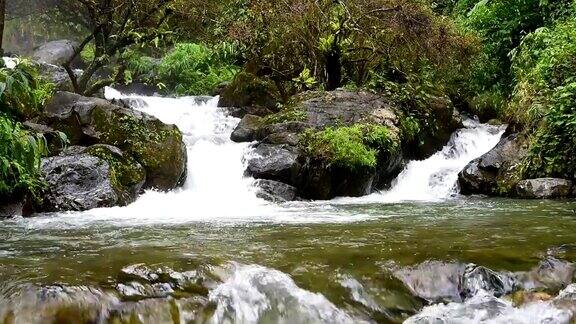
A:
[512,60]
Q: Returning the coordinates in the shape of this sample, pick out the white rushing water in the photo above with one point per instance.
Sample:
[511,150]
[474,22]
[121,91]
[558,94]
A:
[435,178]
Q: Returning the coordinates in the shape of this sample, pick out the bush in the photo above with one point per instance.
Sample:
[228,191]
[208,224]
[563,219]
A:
[22,91]
[195,69]
[353,147]
[553,149]
[20,154]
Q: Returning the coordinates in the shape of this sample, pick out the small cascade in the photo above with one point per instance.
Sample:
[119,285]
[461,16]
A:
[435,178]
[215,186]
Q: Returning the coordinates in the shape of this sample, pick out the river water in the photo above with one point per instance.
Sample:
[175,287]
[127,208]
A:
[211,252]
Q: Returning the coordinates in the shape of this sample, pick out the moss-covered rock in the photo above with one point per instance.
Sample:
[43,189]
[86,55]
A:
[126,174]
[158,147]
[251,94]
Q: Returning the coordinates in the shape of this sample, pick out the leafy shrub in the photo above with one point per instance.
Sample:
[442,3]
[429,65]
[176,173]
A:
[22,91]
[553,150]
[20,154]
[195,69]
[501,24]
[353,147]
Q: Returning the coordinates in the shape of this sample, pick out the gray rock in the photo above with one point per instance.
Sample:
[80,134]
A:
[544,188]
[434,281]
[246,129]
[158,147]
[478,278]
[282,138]
[551,274]
[481,176]
[57,75]
[275,191]
[274,162]
[55,52]
[293,127]
[78,182]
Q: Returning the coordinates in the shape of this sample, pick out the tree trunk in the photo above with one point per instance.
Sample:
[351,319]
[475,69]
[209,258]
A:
[333,69]
[2,20]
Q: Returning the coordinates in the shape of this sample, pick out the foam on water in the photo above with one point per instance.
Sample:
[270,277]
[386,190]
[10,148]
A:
[256,294]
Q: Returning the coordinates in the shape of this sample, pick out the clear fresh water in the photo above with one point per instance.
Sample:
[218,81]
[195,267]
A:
[301,262]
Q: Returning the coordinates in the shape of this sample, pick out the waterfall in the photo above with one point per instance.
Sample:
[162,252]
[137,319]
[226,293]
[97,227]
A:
[215,186]
[435,178]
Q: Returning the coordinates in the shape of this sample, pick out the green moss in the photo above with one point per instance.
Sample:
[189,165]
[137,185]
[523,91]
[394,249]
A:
[125,172]
[353,147]
[288,114]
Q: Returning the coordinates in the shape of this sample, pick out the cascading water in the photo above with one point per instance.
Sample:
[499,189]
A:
[435,178]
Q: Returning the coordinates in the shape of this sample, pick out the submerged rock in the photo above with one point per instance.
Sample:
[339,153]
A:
[158,147]
[544,188]
[434,281]
[275,191]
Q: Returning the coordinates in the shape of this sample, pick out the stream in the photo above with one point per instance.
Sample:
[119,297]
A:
[212,252]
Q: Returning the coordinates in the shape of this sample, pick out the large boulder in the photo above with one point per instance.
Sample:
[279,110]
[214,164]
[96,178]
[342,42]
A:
[56,52]
[57,75]
[158,147]
[274,162]
[492,173]
[544,188]
[77,182]
[274,191]
[84,178]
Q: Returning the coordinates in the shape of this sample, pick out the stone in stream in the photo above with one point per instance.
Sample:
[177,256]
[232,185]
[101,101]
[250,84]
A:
[246,129]
[434,281]
[85,178]
[250,94]
[274,162]
[158,147]
[275,191]
[481,176]
[544,188]
[77,182]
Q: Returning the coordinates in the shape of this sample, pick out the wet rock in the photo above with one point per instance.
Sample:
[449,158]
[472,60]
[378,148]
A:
[246,129]
[490,174]
[56,52]
[544,188]
[291,127]
[274,162]
[551,274]
[434,281]
[162,310]
[77,182]
[322,181]
[275,191]
[282,138]
[478,278]
[197,281]
[58,304]
[158,147]
[135,291]
[57,75]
